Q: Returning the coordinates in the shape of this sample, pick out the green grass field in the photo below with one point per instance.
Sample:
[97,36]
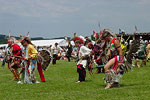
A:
[60,85]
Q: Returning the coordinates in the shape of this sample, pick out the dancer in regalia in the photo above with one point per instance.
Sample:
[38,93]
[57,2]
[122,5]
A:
[148,51]
[14,57]
[30,55]
[141,54]
[83,54]
[116,57]
[97,51]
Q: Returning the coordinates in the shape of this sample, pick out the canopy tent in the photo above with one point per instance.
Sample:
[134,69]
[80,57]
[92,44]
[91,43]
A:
[46,42]
[40,42]
[65,43]
[3,45]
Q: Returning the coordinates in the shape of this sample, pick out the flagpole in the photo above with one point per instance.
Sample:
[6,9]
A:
[9,33]
[99,26]
[134,32]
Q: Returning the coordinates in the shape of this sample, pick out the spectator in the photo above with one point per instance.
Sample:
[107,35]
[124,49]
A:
[69,51]
[55,50]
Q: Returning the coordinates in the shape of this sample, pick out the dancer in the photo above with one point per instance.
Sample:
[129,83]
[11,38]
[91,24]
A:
[141,54]
[97,51]
[30,55]
[55,50]
[83,54]
[14,57]
[116,58]
[69,51]
[148,51]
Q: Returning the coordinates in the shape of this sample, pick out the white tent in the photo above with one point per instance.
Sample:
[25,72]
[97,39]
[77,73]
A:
[41,42]
[65,43]
[3,45]
[46,42]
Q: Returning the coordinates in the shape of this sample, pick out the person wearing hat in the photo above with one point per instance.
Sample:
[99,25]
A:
[97,53]
[15,54]
[83,54]
[116,57]
[30,55]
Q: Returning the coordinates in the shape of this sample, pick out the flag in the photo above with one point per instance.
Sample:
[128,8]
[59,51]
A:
[94,35]
[101,32]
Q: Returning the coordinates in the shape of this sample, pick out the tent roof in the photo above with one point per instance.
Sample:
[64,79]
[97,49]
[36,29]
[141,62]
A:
[3,45]
[41,42]
[46,42]
[65,43]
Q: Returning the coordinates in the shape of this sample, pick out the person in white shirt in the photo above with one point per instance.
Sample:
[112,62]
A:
[55,50]
[83,54]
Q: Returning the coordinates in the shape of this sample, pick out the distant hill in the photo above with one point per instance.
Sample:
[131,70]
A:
[61,38]
[38,38]
[3,38]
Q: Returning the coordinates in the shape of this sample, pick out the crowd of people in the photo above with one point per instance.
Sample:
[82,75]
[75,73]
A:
[109,53]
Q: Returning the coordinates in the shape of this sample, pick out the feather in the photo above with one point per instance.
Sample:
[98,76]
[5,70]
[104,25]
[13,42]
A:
[134,47]
[45,58]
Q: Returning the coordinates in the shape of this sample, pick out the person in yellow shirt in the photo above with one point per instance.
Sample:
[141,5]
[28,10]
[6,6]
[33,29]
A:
[30,55]
[124,47]
[148,51]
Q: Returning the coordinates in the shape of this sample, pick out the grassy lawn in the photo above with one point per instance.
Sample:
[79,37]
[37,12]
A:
[60,85]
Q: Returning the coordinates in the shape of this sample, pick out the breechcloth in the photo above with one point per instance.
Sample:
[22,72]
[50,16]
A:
[118,59]
[114,75]
[82,72]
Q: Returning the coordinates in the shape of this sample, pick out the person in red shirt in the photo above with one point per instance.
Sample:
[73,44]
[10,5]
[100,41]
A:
[15,55]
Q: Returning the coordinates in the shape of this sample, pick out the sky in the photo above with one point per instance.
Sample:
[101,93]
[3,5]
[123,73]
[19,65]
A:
[57,18]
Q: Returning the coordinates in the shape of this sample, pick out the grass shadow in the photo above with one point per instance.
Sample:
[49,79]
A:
[88,81]
[129,85]
[121,85]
